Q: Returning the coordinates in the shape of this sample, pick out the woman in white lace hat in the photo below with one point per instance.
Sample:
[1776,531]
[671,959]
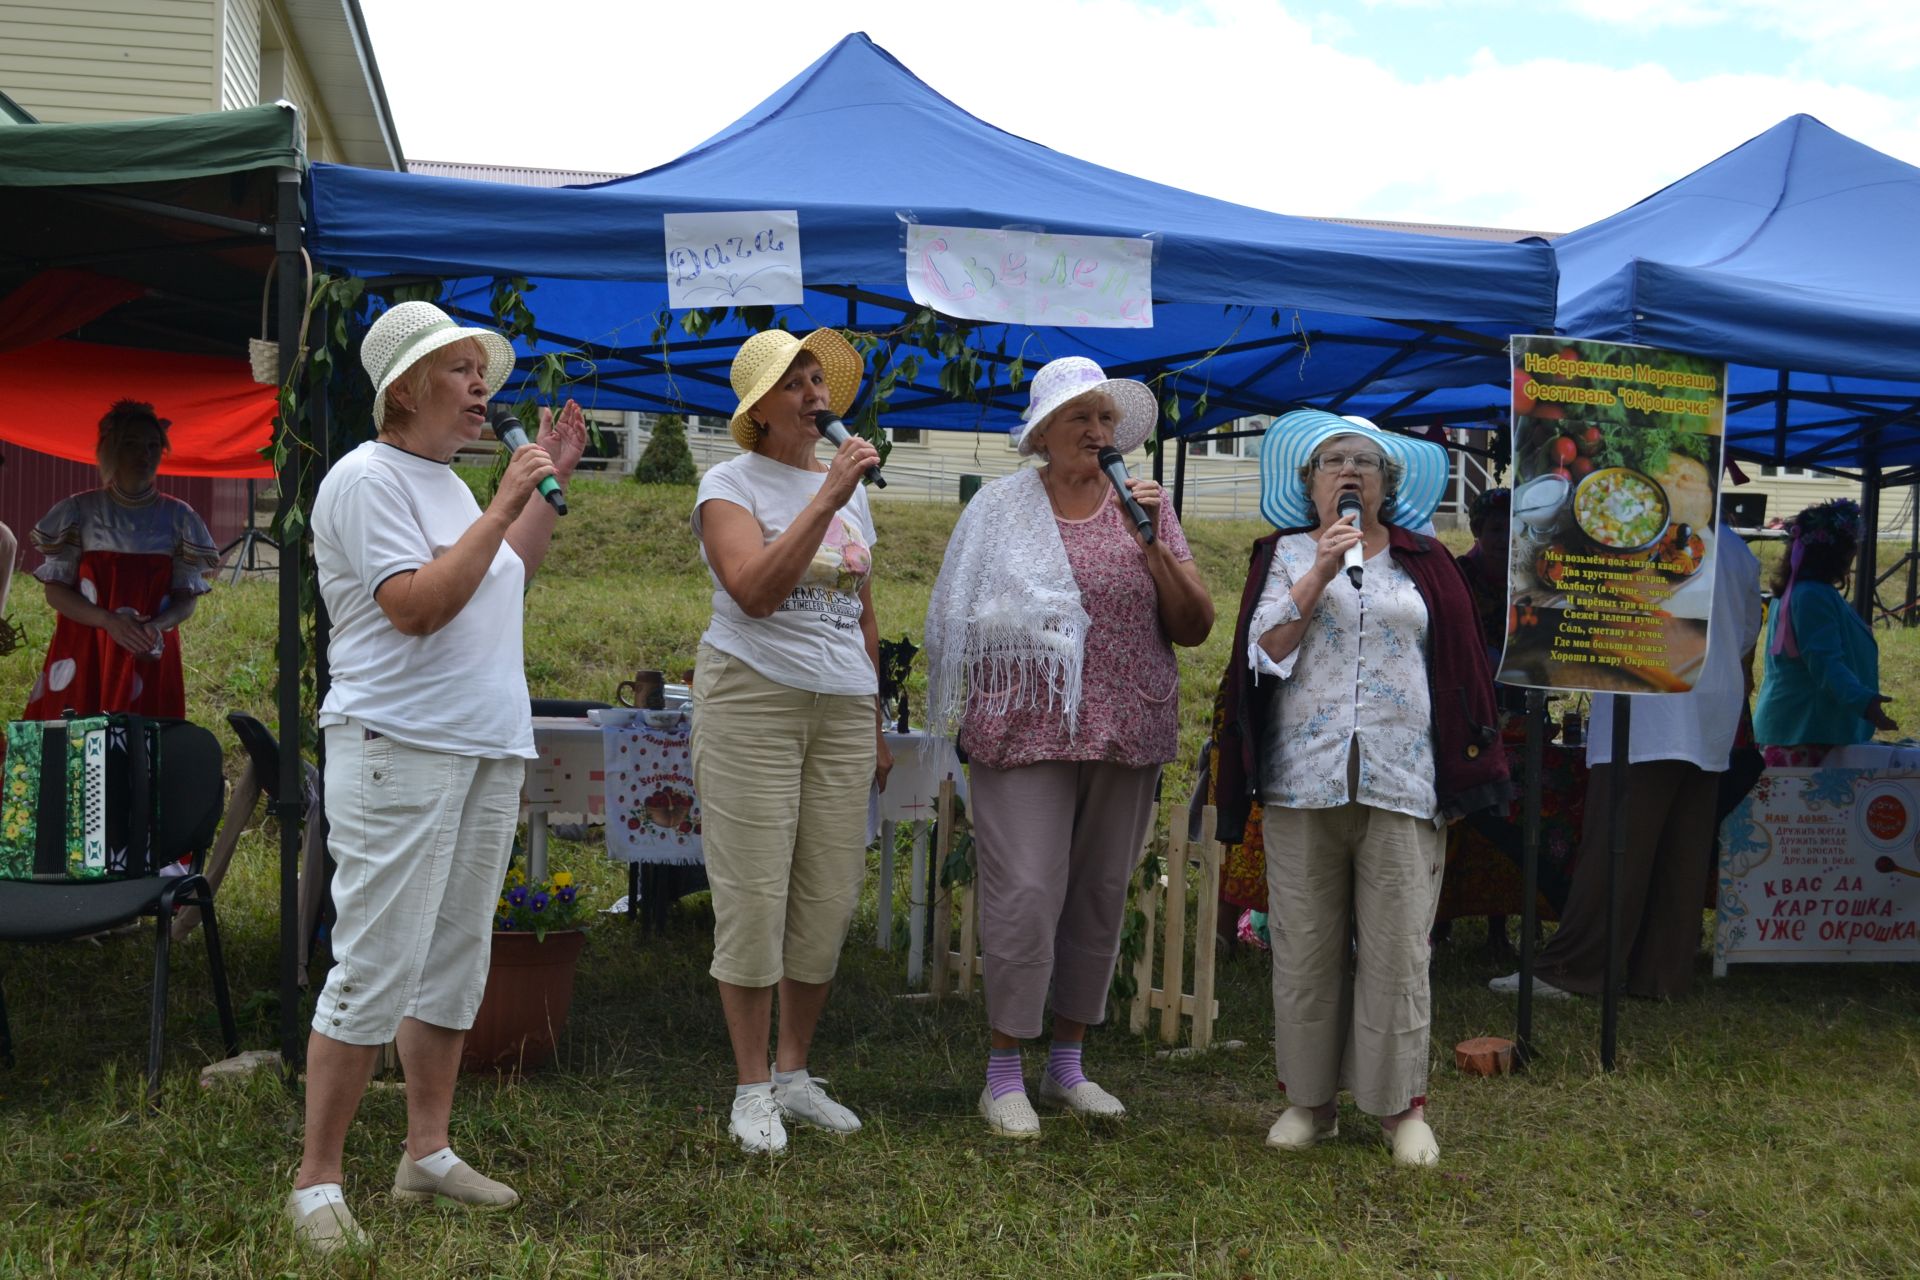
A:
[1050,649]
[428,730]
[787,737]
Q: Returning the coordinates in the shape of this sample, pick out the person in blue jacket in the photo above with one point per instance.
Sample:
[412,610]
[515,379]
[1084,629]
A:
[1822,682]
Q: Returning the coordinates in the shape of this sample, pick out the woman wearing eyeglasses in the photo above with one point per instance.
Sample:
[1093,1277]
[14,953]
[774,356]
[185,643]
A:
[1362,715]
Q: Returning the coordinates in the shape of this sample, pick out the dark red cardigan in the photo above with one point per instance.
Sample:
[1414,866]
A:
[1470,766]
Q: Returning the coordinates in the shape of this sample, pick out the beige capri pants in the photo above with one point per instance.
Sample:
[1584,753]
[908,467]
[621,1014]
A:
[1351,893]
[783,776]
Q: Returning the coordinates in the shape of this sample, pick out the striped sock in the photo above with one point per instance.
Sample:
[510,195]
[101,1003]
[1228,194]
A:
[1003,1072]
[1063,1064]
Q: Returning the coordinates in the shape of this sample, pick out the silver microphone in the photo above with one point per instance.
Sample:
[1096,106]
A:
[1355,558]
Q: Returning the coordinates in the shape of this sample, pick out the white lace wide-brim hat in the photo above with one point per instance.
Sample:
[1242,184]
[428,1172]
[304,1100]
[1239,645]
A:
[1071,377]
[408,332]
[1290,442]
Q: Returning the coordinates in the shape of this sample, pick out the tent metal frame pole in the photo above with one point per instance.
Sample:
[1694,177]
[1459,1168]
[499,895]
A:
[1616,883]
[288,808]
[1529,872]
[199,217]
[1179,474]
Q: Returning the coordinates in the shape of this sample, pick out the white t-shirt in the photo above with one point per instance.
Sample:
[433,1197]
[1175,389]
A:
[461,690]
[1697,727]
[812,641]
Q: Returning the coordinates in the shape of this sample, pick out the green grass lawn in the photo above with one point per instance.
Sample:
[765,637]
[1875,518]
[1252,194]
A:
[1763,1127]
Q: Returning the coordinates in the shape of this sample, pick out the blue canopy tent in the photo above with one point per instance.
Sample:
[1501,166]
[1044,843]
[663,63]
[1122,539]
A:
[1254,311]
[1794,257]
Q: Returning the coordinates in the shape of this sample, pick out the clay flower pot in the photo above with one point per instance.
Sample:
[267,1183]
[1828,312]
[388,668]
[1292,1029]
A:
[524,1009]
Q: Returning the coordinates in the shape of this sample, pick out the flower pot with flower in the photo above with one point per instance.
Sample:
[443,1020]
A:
[537,936]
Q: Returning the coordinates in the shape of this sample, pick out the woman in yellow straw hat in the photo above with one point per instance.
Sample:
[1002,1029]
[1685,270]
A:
[786,726]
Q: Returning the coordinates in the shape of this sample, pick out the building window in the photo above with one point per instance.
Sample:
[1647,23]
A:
[906,435]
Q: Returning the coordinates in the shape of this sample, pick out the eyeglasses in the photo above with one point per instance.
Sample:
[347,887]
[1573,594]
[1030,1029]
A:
[1361,462]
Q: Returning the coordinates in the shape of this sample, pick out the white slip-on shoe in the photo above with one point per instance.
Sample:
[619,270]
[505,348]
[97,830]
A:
[755,1122]
[1010,1115]
[1084,1099]
[1509,985]
[326,1227]
[804,1100]
[462,1184]
[1299,1128]
[1414,1143]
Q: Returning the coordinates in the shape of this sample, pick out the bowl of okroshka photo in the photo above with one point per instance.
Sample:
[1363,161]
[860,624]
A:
[1620,509]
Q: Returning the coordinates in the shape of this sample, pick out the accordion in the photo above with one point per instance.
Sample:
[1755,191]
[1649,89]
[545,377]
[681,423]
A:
[80,801]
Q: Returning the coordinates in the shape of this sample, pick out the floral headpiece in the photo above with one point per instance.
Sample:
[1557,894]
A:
[1830,522]
[1825,525]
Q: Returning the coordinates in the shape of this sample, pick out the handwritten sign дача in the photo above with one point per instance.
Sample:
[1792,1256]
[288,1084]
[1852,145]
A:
[1025,277]
[733,259]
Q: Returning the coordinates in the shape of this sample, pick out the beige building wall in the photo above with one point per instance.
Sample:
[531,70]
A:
[86,61]
[89,61]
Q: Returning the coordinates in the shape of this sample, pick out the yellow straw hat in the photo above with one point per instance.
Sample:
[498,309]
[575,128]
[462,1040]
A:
[765,358]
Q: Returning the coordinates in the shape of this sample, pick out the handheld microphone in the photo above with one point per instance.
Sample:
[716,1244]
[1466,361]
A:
[1356,556]
[1116,468]
[836,432]
[514,436]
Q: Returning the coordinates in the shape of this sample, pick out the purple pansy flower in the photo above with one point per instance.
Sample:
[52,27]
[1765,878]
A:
[566,894]
[518,897]
[539,902]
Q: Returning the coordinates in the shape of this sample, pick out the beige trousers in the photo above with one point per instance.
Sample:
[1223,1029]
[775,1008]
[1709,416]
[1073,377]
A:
[783,776]
[1351,894]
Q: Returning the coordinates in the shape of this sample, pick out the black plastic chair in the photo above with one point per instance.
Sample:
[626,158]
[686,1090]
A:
[193,787]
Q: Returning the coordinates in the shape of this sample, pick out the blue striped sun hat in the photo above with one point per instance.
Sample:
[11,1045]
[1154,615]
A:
[1291,441]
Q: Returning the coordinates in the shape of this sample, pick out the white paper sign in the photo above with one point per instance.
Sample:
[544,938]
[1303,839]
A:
[1022,277]
[733,259]
[1821,864]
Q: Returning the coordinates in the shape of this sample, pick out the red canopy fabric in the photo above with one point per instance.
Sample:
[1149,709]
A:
[52,395]
[56,302]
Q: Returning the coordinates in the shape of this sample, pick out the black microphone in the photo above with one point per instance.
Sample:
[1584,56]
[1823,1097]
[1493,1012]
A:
[836,431]
[514,436]
[1349,505]
[1116,468]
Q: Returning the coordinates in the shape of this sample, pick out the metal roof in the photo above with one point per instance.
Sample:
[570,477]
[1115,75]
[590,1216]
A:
[510,174]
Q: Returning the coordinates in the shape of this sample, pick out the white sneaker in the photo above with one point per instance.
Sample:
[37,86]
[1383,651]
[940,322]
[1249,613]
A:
[1510,986]
[1299,1128]
[1084,1099]
[1414,1143]
[755,1123]
[806,1101]
[1010,1115]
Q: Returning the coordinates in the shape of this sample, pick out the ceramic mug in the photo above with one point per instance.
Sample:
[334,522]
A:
[647,691]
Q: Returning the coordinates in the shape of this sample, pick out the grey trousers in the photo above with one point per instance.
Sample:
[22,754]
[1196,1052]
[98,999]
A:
[1054,846]
[1351,894]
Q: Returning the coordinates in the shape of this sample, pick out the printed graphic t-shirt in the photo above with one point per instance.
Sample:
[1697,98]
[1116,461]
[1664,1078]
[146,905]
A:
[812,640]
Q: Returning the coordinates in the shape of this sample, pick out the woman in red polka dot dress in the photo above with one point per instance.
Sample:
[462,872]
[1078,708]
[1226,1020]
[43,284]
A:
[124,567]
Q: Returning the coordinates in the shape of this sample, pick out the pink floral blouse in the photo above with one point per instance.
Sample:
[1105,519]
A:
[1129,692]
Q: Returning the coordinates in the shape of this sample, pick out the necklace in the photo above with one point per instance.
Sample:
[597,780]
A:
[1055,499]
[144,498]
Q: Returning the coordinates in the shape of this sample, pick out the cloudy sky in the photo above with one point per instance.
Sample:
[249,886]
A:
[1534,114]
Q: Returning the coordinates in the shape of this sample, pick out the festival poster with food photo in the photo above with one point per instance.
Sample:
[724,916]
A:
[1616,478]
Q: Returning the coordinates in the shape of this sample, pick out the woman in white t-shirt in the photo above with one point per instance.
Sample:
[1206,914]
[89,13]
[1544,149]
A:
[428,730]
[786,717]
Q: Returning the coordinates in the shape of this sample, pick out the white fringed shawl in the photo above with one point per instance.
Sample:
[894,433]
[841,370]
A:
[1005,626]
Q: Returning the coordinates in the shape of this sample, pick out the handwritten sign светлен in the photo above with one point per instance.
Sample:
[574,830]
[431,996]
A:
[1025,277]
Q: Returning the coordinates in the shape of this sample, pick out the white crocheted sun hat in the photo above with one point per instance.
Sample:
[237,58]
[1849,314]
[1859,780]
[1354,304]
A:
[1069,377]
[1290,442]
[408,332]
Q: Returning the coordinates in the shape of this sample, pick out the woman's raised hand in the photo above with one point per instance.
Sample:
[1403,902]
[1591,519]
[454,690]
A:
[850,462]
[1333,545]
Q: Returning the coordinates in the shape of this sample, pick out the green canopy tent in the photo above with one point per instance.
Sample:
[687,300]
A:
[147,236]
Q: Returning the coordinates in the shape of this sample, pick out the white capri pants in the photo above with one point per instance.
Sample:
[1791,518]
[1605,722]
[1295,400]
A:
[421,839]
